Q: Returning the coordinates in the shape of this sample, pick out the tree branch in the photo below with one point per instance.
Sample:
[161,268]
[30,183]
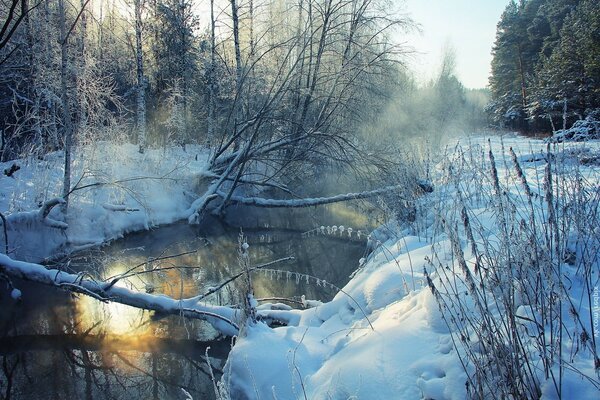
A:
[221,318]
[309,202]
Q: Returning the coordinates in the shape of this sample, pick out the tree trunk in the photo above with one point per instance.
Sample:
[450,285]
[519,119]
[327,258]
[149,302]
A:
[66,110]
[83,66]
[141,84]
[238,66]
[211,75]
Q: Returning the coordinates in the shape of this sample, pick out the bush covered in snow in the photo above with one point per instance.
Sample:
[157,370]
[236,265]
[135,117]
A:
[584,129]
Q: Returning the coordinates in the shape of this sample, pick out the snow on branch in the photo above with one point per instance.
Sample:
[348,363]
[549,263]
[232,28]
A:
[45,210]
[118,207]
[31,218]
[221,318]
[309,202]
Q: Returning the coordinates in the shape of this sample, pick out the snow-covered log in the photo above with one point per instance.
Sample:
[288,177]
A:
[316,201]
[40,216]
[118,207]
[221,318]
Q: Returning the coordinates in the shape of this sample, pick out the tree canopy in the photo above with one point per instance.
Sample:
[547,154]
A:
[545,67]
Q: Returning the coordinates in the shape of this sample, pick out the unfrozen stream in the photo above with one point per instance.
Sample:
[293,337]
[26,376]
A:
[54,345]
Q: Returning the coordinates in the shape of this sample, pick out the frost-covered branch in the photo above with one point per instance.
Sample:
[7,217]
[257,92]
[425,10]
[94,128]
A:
[40,216]
[45,210]
[221,318]
[309,202]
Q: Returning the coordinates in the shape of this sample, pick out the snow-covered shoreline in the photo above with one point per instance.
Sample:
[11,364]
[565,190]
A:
[118,191]
[405,347]
[386,335]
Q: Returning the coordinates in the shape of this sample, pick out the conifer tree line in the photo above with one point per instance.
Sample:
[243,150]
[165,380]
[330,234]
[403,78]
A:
[292,76]
[546,64]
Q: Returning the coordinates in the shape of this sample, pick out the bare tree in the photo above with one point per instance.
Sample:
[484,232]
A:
[17,11]
[66,108]
[141,80]
[308,85]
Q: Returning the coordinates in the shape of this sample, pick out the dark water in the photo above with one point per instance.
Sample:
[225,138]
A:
[56,345]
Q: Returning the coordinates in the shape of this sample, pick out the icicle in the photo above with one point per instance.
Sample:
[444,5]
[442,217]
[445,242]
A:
[350,230]
[307,277]
[288,275]
[342,229]
[297,278]
[318,282]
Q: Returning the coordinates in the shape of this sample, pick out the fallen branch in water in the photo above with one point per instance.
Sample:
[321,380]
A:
[221,318]
[309,202]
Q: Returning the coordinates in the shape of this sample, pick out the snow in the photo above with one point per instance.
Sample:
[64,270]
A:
[333,353]
[121,191]
[383,336]
[582,130]
[15,294]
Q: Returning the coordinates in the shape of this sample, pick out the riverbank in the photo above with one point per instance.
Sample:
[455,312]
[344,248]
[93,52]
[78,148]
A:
[490,290]
[116,190]
[454,306]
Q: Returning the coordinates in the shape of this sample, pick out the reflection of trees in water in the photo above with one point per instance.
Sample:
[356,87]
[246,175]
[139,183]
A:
[53,346]
[82,374]
[65,359]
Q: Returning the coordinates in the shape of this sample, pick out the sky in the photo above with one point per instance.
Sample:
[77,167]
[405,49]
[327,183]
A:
[468,26]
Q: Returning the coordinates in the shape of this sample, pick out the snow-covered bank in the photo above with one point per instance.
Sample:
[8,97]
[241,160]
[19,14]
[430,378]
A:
[490,293]
[116,190]
[382,339]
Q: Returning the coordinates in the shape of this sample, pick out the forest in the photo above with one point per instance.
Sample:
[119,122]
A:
[545,67]
[271,199]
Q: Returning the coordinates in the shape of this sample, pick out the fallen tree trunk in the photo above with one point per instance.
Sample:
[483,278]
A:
[316,201]
[223,319]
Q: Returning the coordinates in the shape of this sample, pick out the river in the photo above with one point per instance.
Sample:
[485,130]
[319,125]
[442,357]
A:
[57,345]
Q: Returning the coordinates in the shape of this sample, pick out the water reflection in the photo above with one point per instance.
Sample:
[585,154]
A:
[54,345]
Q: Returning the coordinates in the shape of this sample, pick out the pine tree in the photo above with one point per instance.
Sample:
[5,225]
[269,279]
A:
[545,58]
[571,74]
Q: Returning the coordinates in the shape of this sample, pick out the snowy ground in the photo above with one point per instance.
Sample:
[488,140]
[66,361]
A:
[383,336]
[118,190]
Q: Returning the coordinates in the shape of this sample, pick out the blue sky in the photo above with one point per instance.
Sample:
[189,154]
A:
[469,26]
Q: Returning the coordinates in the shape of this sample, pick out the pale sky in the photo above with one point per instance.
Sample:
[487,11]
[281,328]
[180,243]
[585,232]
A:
[469,26]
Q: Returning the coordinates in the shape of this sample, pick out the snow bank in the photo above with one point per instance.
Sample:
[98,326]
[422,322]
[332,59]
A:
[384,335]
[115,190]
